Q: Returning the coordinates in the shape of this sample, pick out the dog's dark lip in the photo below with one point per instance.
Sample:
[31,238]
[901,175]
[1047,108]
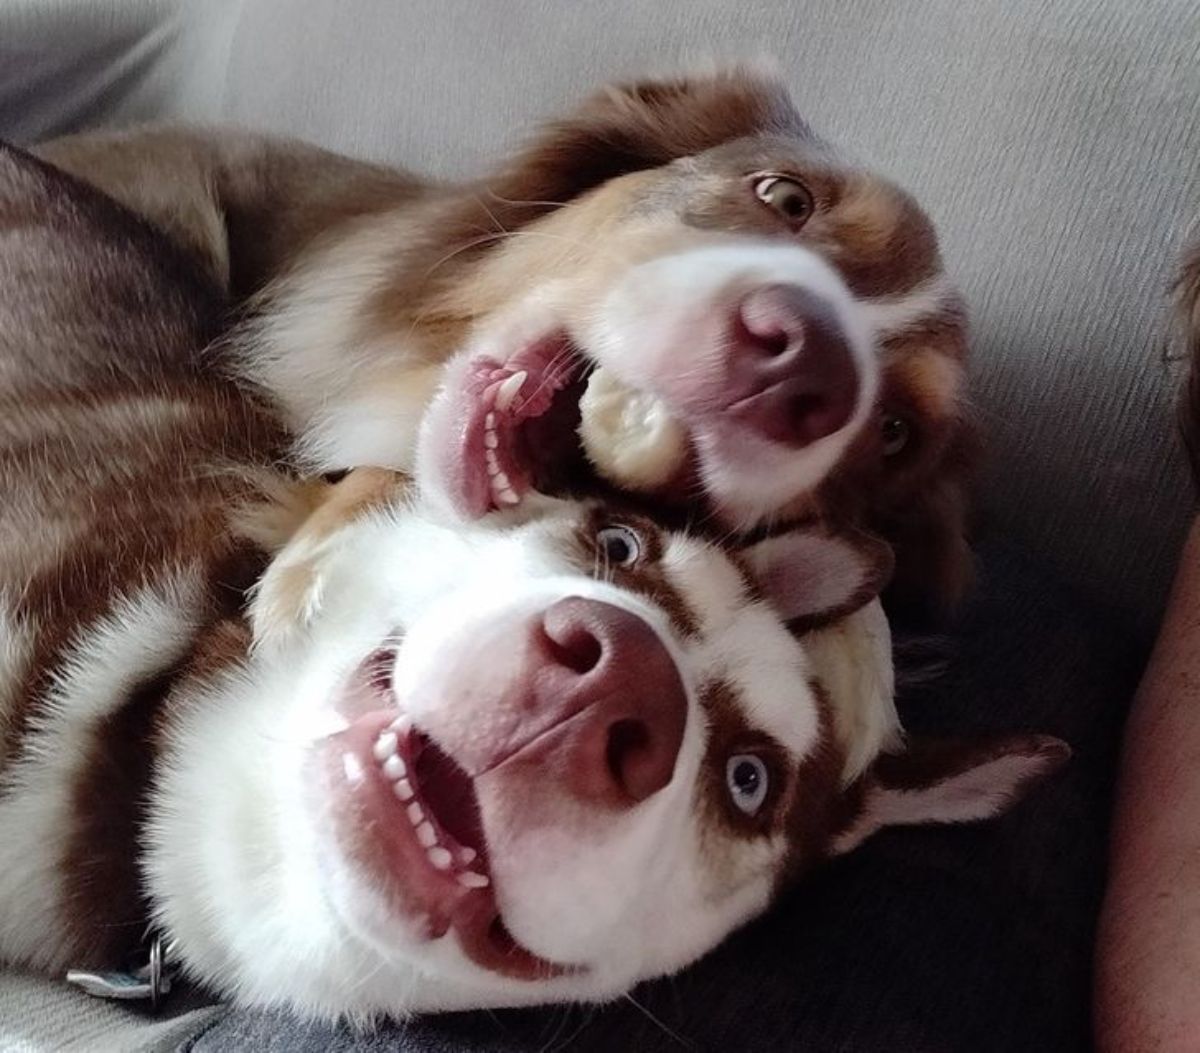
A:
[375,828]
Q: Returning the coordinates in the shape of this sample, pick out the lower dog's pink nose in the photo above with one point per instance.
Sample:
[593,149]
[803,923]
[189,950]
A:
[792,376]
[623,704]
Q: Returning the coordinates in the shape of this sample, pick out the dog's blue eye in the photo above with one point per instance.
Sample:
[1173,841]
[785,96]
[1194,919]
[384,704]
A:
[747,779]
[620,545]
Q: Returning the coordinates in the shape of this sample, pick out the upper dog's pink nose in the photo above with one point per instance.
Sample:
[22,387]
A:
[793,376]
[622,702]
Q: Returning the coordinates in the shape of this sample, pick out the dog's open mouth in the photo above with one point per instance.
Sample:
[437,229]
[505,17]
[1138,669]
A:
[520,423]
[408,813]
[517,429]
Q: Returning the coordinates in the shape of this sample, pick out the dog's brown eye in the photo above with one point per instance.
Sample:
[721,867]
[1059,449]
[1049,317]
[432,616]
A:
[896,433]
[786,196]
[619,544]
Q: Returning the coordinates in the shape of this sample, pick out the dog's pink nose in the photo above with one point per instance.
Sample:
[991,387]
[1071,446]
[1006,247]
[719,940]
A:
[623,703]
[792,375]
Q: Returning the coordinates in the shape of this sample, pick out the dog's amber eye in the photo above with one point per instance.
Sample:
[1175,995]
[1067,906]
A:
[786,196]
[620,545]
[747,779]
[896,433]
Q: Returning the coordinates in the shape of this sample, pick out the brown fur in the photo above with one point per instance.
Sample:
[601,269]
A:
[121,453]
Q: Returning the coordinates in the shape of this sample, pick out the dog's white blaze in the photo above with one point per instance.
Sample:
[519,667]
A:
[892,315]
[144,633]
[739,641]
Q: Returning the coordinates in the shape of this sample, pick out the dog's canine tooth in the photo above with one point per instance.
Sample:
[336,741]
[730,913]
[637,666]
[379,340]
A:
[509,391]
[416,814]
[440,857]
[403,789]
[469,879]
[426,834]
[394,767]
[507,495]
[402,725]
[385,746]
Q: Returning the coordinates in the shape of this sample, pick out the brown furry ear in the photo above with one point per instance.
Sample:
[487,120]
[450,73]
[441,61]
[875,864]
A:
[631,127]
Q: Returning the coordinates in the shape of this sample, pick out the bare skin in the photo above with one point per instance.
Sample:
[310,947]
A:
[1148,951]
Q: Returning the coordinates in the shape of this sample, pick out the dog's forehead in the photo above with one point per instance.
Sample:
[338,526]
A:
[742,643]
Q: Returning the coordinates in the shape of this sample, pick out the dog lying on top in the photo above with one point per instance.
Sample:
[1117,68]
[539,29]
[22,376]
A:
[536,756]
[678,290]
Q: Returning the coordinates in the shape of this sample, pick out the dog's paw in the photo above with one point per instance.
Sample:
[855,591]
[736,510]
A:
[288,596]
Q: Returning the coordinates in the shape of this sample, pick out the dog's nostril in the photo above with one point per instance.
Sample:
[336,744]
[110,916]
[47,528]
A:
[628,751]
[802,406]
[573,647]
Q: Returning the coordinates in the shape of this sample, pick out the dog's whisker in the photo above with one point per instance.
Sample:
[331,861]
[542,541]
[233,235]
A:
[684,1042]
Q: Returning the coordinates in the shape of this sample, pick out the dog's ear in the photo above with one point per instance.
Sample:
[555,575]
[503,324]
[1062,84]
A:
[948,781]
[630,127]
[812,578]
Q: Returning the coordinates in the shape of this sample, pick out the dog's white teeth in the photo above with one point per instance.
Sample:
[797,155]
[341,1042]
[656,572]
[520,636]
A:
[489,422]
[509,390]
[469,879]
[403,789]
[440,857]
[416,814]
[402,725]
[385,746]
[493,464]
[394,768]
[426,834]
[467,856]
[506,494]
[490,439]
